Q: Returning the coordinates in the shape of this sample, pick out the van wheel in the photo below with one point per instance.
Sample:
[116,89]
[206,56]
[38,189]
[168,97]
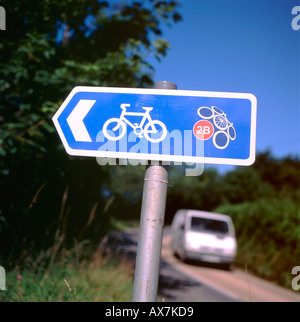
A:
[227,267]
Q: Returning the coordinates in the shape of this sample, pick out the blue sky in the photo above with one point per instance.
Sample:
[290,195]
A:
[241,46]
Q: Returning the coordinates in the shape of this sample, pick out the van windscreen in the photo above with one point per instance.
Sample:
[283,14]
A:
[211,225]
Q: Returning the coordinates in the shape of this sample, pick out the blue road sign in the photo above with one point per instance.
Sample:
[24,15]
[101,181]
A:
[156,124]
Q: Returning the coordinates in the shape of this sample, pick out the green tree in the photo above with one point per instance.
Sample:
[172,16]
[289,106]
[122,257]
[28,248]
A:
[100,45]
[37,71]
[244,184]
[189,192]
[282,174]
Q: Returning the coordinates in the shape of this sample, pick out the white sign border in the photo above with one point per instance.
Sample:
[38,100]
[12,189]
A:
[158,157]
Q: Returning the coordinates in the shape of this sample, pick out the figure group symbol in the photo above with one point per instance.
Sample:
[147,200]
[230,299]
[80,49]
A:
[225,130]
[153,130]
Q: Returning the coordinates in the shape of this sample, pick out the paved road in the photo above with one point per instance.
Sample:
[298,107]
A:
[181,282]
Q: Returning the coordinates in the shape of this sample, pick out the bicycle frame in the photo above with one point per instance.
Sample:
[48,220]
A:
[139,129]
[146,116]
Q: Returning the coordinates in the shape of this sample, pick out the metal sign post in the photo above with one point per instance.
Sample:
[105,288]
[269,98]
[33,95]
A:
[151,227]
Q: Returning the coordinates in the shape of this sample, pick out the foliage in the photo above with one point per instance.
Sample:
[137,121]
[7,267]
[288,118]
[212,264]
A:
[267,178]
[282,174]
[50,47]
[244,184]
[201,192]
[268,234]
[36,74]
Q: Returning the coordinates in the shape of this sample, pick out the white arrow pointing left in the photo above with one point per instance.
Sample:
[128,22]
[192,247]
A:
[75,120]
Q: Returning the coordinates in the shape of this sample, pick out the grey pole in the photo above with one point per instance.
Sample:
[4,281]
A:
[151,227]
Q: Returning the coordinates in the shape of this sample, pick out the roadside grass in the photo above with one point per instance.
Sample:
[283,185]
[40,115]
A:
[69,278]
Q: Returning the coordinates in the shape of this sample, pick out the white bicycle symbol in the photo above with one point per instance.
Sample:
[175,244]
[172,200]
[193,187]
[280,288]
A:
[140,129]
[225,131]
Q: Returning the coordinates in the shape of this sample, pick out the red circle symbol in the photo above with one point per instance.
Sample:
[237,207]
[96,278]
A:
[203,130]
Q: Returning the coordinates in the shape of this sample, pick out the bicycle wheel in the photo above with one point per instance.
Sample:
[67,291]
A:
[221,122]
[221,139]
[231,132]
[205,112]
[217,110]
[158,134]
[111,127]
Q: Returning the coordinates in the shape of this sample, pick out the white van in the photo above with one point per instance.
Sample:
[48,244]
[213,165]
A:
[204,236]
